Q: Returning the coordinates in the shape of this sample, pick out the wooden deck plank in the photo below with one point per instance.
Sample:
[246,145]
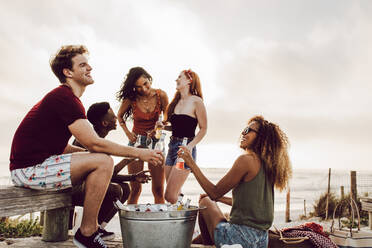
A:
[36,242]
[17,201]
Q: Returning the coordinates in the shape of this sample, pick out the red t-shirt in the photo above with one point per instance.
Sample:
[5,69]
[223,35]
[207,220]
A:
[44,131]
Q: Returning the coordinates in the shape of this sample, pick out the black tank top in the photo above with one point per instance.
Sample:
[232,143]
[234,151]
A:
[183,125]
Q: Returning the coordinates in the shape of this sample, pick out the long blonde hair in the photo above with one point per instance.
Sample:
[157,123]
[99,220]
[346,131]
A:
[271,145]
[195,89]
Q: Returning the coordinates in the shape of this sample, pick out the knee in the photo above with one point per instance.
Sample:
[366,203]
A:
[116,191]
[205,202]
[169,197]
[125,189]
[106,163]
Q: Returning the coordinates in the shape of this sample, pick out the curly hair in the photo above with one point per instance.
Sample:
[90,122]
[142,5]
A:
[271,145]
[127,89]
[63,59]
[195,89]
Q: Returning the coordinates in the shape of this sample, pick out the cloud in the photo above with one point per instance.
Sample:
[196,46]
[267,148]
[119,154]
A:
[315,86]
[304,65]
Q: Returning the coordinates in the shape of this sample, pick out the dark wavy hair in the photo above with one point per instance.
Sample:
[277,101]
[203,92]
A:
[63,59]
[271,145]
[127,89]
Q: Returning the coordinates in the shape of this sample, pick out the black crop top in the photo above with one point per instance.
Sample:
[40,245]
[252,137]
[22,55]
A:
[183,125]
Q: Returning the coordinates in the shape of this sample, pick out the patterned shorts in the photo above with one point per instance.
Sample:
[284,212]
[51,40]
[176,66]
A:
[53,174]
[227,233]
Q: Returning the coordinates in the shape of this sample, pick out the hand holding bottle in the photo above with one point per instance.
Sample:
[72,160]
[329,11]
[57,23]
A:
[185,154]
[153,156]
[180,162]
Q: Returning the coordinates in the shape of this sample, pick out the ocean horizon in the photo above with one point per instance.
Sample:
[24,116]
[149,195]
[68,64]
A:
[306,186]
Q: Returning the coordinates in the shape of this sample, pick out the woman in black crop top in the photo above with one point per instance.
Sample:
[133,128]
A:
[185,112]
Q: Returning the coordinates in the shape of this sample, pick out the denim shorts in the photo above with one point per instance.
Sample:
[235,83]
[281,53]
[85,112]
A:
[227,233]
[173,148]
[146,142]
[52,174]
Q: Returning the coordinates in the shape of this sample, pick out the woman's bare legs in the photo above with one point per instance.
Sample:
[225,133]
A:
[175,180]
[135,187]
[209,218]
[157,180]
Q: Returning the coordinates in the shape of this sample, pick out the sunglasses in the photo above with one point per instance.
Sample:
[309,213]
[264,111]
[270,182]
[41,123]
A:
[247,130]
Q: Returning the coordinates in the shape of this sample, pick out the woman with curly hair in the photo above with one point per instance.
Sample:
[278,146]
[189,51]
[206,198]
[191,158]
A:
[144,105]
[264,165]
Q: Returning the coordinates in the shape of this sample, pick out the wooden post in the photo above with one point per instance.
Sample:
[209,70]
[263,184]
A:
[42,218]
[342,192]
[328,191]
[287,206]
[370,220]
[353,185]
[56,224]
[305,207]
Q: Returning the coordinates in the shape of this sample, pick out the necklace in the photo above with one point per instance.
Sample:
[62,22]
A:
[145,103]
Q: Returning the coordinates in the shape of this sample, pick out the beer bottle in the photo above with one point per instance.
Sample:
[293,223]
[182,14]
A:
[159,128]
[160,145]
[180,164]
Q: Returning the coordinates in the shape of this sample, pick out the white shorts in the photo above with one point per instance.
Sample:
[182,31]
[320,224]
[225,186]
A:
[52,174]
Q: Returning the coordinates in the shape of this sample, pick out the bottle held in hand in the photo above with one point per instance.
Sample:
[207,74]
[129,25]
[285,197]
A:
[180,163]
[160,145]
[138,141]
[158,130]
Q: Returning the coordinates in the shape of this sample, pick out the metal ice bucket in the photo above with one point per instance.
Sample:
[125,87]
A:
[157,229]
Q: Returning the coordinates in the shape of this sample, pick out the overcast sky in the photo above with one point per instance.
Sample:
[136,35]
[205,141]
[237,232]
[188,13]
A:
[305,65]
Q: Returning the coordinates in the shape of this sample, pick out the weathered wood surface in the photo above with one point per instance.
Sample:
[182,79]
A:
[36,242]
[366,199]
[366,203]
[56,224]
[17,201]
[367,206]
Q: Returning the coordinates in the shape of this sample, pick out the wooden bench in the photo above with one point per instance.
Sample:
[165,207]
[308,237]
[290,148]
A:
[367,206]
[57,205]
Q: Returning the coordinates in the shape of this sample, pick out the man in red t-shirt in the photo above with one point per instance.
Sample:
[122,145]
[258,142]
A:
[41,157]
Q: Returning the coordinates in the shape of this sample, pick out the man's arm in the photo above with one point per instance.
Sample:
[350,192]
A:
[83,132]
[122,164]
[71,149]
[141,177]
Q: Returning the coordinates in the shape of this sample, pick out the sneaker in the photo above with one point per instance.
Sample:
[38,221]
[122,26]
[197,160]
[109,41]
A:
[105,235]
[94,241]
